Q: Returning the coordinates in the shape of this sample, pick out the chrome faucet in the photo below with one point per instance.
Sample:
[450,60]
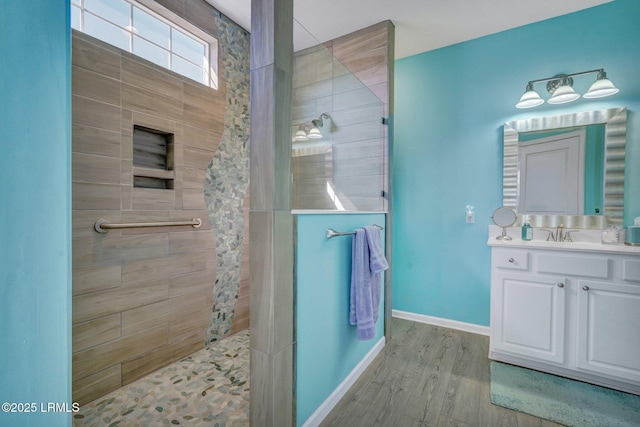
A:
[559,236]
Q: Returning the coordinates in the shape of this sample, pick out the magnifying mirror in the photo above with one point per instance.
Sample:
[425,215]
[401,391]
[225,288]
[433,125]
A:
[504,217]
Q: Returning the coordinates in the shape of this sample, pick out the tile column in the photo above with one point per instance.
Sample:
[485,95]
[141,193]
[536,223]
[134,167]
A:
[272,225]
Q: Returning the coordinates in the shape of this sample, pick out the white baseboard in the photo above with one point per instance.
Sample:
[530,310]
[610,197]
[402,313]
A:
[439,321]
[323,410]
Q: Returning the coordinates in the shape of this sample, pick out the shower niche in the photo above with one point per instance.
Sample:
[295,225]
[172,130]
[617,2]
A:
[153,158]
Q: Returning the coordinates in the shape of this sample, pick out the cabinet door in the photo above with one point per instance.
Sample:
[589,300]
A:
[609,329]
[529,316]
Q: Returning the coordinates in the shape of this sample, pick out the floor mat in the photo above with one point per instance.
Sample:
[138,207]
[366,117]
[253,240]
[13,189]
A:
[562,400]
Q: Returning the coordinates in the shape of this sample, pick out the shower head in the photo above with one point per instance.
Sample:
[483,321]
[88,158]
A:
[318,122]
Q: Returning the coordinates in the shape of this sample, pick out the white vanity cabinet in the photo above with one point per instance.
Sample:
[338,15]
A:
[574,313]
[531,318]
[608,325]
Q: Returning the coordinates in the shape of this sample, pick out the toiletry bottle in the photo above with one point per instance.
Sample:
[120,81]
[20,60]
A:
[527,230]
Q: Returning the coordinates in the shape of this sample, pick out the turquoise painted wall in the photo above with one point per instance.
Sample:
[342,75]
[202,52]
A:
[327,346]
[35,211]
[450,105]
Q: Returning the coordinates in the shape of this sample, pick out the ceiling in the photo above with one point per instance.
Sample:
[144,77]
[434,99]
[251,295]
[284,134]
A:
[421,25]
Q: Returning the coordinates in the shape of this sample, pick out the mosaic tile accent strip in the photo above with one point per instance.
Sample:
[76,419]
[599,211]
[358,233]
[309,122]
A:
[227,178]
[210,387]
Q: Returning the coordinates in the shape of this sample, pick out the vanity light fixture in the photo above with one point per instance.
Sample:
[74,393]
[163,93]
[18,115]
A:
[564,92]
[602,87]
[531,98]
[314,133]
[311,130]
[561,88]
[300,136]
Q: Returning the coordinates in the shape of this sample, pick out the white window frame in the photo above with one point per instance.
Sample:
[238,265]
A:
[210,66]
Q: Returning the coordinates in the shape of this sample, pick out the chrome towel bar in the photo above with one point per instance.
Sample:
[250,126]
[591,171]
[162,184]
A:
[333,233]
[102,225]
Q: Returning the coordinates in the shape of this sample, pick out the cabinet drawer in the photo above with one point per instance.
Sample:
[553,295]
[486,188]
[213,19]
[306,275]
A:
[585,266]
[514,260]
[631,270]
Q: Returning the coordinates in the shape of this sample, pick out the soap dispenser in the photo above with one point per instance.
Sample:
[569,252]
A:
[527,230]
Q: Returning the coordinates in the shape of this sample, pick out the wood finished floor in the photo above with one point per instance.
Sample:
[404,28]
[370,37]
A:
[427,376]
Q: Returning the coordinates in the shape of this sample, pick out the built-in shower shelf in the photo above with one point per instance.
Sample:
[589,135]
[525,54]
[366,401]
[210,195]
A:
[153,178]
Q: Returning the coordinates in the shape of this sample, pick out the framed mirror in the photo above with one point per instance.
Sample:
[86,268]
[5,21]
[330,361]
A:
[607,179]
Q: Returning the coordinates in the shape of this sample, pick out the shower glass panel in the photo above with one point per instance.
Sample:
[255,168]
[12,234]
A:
[345,169]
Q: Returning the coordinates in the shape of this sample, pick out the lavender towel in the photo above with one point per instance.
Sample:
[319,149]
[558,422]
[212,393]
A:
[368,262]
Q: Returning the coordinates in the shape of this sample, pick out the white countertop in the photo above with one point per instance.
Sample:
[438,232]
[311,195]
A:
[583,241]
[333,212]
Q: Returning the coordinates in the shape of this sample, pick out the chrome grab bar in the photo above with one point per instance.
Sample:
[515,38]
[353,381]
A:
[102,225]
[333,233]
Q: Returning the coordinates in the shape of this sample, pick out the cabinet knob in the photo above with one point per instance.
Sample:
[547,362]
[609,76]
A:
[511,260]
[585,288]
[561,285]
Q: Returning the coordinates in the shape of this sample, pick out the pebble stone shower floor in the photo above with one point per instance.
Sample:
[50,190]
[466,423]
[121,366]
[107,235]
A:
[210,387]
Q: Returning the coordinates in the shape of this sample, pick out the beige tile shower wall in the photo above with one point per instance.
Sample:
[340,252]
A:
[142,298]
[358,161]
[365,54]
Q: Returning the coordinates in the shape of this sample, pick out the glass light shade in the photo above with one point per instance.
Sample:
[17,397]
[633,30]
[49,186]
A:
[563,94]
[314,133]
[530,99]
[300,136]
[601,87]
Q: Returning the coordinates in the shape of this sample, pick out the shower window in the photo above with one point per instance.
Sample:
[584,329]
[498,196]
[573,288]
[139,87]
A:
[156,35]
